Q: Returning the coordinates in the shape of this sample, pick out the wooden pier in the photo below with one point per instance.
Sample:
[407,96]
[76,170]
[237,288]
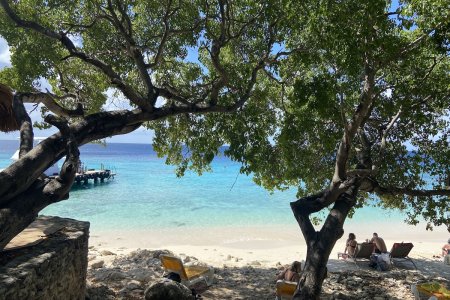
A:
[95,175]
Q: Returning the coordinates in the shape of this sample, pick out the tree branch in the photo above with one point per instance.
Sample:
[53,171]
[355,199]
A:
[359,117]
[134,52]
[26,127]
[49,101]
[164,38]
[385,133]
[126,89]
[390,190]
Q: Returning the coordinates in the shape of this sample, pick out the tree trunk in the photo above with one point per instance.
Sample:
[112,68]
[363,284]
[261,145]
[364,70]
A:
[24,208]
[320,243]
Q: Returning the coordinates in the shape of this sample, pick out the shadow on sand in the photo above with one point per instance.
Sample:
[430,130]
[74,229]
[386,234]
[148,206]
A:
[345,280]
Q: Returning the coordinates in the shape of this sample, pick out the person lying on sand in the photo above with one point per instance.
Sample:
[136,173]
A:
[291,273]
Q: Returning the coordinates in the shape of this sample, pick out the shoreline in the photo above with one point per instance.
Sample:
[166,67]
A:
[268,245]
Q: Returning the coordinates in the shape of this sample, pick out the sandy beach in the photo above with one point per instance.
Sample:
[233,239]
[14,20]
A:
[267,244]
[246,259]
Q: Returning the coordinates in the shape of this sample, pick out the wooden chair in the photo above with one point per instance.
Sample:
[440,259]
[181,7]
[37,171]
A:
[189,274]
[285,289]
[400,252]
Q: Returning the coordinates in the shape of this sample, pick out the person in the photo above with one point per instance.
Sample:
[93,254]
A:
[350,245]
[446,249]
[291,273]
[380,246]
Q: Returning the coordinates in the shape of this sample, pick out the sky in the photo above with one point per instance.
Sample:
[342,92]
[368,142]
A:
[139,136]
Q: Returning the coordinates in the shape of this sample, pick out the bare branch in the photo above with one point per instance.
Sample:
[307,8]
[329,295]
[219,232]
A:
[164,38]
[389,190]
[134,52]
[26,127]
[386,131]
[359,117]
[48,99]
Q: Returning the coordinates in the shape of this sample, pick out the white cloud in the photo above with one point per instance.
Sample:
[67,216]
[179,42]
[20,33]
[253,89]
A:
[5,55]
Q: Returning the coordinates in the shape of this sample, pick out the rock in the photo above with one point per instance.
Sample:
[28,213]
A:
[101,292]
[378,298]
[236,259]
[116,275]
[255,263]
[97,264]
[133,285]
[187,259]
[141,275]
[165,289]
[106,253]
[229,257]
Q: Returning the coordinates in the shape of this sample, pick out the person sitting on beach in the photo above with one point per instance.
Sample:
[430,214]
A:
[446,249]
[291,273]
[350,245]
[380,246]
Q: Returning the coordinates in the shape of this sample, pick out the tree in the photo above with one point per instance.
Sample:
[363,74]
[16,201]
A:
[360,116]
[137,51]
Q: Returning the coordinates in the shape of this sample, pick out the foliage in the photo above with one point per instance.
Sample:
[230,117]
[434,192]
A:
[289,134]
[316,55]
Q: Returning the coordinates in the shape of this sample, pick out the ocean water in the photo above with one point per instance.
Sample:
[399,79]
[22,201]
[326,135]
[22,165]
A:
[146,194]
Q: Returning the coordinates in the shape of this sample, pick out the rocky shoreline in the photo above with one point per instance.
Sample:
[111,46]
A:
[126,276]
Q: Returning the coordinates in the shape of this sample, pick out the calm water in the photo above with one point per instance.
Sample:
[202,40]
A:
[147,194]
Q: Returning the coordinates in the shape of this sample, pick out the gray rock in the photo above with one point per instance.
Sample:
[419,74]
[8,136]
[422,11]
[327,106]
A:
[98,264]
[116,275]
[141,275]
[106,253]
[165,289]
[133,285]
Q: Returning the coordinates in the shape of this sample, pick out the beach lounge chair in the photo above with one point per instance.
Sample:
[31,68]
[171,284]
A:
[363,251]
[189,275]
[285,289]
[400,251]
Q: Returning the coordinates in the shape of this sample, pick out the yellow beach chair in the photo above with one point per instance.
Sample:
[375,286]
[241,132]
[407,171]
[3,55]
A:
[189,275]
[285,289]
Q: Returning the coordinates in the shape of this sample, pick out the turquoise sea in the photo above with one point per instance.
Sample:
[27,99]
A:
[146,194]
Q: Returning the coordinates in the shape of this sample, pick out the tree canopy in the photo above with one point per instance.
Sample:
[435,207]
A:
[162,59]
[346,100]
[290,134]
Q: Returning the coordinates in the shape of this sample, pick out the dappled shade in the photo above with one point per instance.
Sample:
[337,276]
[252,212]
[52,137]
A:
[7,119]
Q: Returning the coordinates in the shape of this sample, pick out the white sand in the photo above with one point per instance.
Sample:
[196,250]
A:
[265,245]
